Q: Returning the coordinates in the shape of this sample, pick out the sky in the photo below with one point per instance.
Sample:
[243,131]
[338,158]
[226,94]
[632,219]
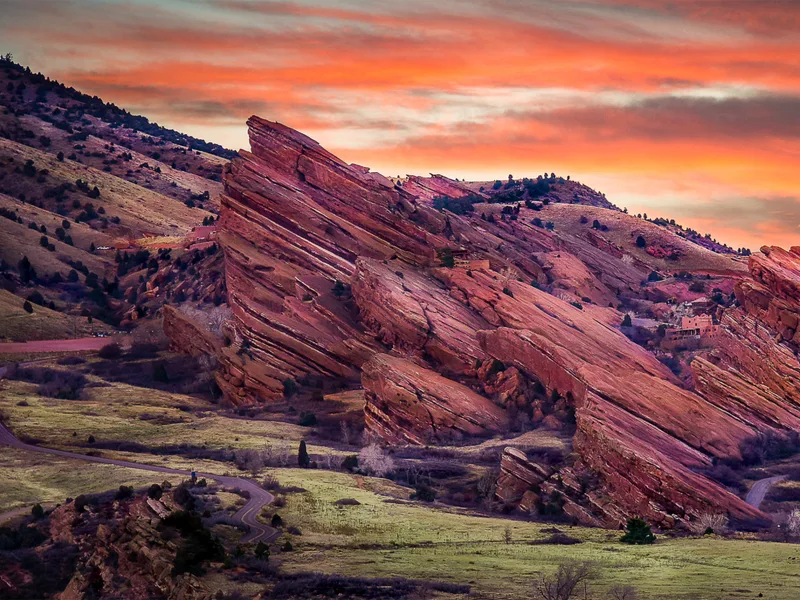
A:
[685,109]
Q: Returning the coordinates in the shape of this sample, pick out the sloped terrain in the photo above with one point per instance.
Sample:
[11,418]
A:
[339,273]
[82,181]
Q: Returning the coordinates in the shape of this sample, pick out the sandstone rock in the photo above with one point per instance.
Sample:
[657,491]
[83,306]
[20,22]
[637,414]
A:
[519,475]
[408,403]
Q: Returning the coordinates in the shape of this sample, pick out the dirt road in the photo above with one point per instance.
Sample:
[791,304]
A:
[760,488]
[247,515]
[73,345]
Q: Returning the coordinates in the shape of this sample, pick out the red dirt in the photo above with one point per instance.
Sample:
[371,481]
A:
[74,345]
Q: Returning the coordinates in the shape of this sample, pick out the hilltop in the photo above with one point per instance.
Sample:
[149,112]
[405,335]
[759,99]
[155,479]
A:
[100,206]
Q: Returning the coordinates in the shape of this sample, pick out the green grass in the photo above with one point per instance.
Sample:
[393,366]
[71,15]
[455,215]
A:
[385,535]
[381,538]
[115,413]
[30,477]
[17,325]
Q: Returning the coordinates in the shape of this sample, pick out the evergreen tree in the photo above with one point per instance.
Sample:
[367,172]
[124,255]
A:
[302,455]
[638,533]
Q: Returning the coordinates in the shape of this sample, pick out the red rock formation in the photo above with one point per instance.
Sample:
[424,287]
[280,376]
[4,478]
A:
[518,475]
[408,403]
[187,336]
[333,270]
[567,272]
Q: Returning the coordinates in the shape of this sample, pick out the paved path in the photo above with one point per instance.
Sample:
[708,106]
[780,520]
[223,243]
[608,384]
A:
[760,488]
[247,515]
[73,345]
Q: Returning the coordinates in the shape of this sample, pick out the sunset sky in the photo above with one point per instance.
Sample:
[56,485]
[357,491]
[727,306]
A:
[687,109]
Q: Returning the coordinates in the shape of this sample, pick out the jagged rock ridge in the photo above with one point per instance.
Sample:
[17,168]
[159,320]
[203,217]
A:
[335,271]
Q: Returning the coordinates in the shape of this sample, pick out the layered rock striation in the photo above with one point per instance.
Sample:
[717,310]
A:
[454,324]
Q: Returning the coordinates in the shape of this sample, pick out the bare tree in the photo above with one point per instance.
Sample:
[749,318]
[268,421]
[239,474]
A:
[487,484]
[623,592]
[716,522]
[373,460]
[345,427]
[569,580]
[793,523]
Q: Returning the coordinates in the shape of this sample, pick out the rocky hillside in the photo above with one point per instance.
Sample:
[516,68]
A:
[462,314]
[86,189]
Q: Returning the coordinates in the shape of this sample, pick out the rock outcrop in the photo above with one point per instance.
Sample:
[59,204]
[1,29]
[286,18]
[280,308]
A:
[408,403]
[337,272]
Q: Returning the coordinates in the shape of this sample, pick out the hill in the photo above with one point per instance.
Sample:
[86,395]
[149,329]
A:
[85,186]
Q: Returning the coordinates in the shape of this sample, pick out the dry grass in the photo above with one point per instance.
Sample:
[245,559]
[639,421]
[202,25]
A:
[623,230]
[433,542]
[29,477]
[16,325]
[136,206]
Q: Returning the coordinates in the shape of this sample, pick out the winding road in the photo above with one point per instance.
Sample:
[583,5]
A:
[760,488]
[247,515]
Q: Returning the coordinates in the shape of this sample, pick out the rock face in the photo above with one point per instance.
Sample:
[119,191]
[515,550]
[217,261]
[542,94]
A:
[126,558]
[187,336]
[408,403]
[336,272]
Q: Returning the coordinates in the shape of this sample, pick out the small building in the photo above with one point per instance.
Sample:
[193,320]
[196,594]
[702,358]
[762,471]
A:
[694,332]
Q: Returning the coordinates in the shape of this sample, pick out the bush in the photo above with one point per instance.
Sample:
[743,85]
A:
[350,463]
[289,388]
[638,533]
[425,493]
[27,307]
[303,460]
[307,419]
[37,511]
[276,521]
[261,551]
[142,350]
[124,492]
[155,492]
[71,360]
[374,461]
[80,503]
[110,351]
[641,242]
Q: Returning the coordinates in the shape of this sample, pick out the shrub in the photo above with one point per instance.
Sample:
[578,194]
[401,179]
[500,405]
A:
[71,360]
[697,287]
[626,321]
[37,511]
[424,493]
[653,276]
[155,492]
[564,584]
[710,523]
[276,521]
[142,350]
[27,307]
[350,463]
[289,388]
[641,242]
[638,532]
[303,460]
[110,351]
[307,419]
[261,551]
[374,461]
[124,492]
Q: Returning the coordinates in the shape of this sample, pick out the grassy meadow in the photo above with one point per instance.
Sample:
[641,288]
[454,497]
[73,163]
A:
[384,534]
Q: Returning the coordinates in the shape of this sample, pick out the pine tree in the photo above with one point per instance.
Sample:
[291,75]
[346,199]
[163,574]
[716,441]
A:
[638,532]
[302,455]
